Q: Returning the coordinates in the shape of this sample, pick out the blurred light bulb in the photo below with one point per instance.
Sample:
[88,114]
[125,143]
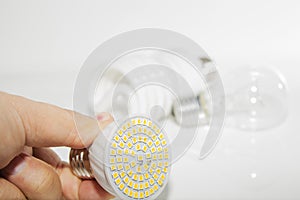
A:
[133,164]
[256,98]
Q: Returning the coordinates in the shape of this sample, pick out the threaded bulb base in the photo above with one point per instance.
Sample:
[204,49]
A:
[80,164]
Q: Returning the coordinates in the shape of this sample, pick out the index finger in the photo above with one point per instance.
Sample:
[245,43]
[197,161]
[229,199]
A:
[25,122]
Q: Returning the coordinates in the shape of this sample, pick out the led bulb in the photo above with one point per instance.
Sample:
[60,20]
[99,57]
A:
[131,161]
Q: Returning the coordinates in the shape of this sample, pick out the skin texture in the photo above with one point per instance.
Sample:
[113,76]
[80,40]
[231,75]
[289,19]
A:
[29,169]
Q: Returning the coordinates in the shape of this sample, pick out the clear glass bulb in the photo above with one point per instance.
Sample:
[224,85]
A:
[256,103]
[256,98]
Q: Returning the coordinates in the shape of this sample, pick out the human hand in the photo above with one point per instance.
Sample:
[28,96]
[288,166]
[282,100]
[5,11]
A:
[28,169]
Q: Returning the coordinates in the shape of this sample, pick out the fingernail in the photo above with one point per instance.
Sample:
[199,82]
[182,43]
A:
[103,116]
[15,166]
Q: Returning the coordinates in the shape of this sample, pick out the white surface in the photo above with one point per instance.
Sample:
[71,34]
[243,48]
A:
[43,45]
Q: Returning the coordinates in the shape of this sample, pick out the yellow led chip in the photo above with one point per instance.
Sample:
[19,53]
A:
[130,173]
[146,184]
[135,177]
[138,147]
[119,159]
[139,169]
[133,122]
[141,186]
[120,166]
[118,181]
[154,137]
[127,167]
[119,151]
[121,186]
[155,176]
[130,184]
[153,149]
[144,121]
[151,191]
[129,134]
[112,160]
[120,132]
[151,171]
[145,148]
[133,164]
[122,174]
[113,167]
[115,175]
[150,143]
[158,171]
[149,133]
[162,177]
[141,195]
[135,186]
[148,155]
[165,170]
[160,156]
[126,179]
[147,193]
[155,187]
[134,140]
[126,191]
[125,159]
[126,151]
[146,167]
[161,136]
[153,165]
[154,157]
[146,175]
[166,156]
[157,142]
[114,145]
[129,144]
[141,178]
[125,138]
[159,149]
[139,121]
[140,157]
[151,181]
[157,131]
[116,138]
[132,153]
[135,194]
[160,164]
[134,131]
[130,193]
[112,152]
[121,144]
[163,142]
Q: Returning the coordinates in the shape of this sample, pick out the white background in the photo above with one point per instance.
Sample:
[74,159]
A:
[44,43]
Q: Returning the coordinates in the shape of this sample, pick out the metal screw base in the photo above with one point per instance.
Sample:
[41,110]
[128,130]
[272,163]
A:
[80,164]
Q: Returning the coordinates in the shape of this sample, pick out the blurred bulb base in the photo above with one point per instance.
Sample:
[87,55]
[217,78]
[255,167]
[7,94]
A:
[80,164]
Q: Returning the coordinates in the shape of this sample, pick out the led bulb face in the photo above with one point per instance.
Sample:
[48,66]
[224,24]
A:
[138,159]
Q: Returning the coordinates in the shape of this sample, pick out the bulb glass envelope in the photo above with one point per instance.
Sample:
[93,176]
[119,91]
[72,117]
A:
[142,73]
